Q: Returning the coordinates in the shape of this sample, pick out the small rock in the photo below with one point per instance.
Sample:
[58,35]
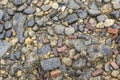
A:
[106,0]
[72,18]
[12,56]
[115,14]
[106,8]
[61,49]
[55,5]
[45,7]
[9,33]
[107,67]
[100,25]
[55,73]
[3,2]
[101,18]
[14,41]
[10,12]
[50,30]
[109,22]
[88,42]
[17,2]
[79,64]
[112,31]
[50,64]
[82,14]
[104,49]
[116,5]
[28,41]
[1,28]
[60,41]
[94,12]
[108,42]
[97,72]
[115,73]
[55,51]
[31,22]
[17,55]
[59,29]
[2,35]
[69,30]
[114,65]
[76,57]
[44,50]
[67,61]
[63,15]
[53,13]
[81,28]
[1,14]
[72,53]
[118,59]
[4,46]
[73,5]
[29,10]
[8,25]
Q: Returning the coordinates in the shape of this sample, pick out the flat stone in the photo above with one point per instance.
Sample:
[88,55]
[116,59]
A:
[72,18]
[69,30]
[73,5]
[17,2]
[44,50]
[29,10]
[8,25]
[1,14]
[4,46]
[82,14]
[1,28]
[50,64]
[59,29]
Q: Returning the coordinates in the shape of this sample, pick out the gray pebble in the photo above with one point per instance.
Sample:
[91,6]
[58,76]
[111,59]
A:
[17,2]
[108,42]
[81,28]
[29,10]
[94,12]
[31,22]
[50,64]
[73,5]
[82,14]
[6,17]
[17,55]
[118,59]
[45,7]
[59,29]
[9,33]
[1,28]
[1,14]
[63,15]
[101,18]
[69,30]
[115,14]
[53,13]
[104,49]
[72,18]
[44,50]
[8,25]
[10,11]
[2,35]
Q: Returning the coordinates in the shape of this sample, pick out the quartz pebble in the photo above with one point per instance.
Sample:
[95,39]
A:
[55,5]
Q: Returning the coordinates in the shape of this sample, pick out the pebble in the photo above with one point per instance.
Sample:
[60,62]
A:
[55,5]
[106,8]
[60,42]
[109,22]
[50,64]
[31,23]
[55,51]
[17,55]
[4,2]
[9,33]
[108,42]
[82,14]
[94,12]
[72,53]
[44,50]
[4,47]
[14,41]
[53,13]
[72,18]
[97,72]
[1,28]
[101,18]
[112,31]
[79,64]
[63,15]
[8,25]
[59,29]
[69,30]
[114,65]
[118,59]
[61,49]
[55,73]
[10,12]
[116,5]
[45,7]
[106,0]
[67,61]
[50,30]
[1,14]
[100,25]
[2,35]
[73,5]
[107,67]
[115,73]
[29,10]
[106,50]
[17,2]
[115,14]
[81,28]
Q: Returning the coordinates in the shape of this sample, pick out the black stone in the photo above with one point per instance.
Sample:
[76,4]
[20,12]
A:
[72,18]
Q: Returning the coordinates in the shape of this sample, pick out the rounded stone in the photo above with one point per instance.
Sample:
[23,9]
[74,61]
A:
[69,30]
[67,61]
[59,29]
[55,5]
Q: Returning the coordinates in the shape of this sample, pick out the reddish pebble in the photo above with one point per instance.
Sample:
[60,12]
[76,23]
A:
[61,49]
[97,72]
[45,40]
[60,42]
[112,31]
[55,73]
[114,65]
[72,36]
[77,56]
[115,51]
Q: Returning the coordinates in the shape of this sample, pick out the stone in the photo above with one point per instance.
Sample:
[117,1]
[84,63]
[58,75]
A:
[6,17]
[53,13]
[115,73]
[17,2]
[104,49]
[108,42]
[18,55]
[55,73]
[69,30]
[107,67]
[72,18]
[50,30]
[9,33]
[14,41]
[55,51]
[97,72]
[112,31]
[82,14]
[71,53]
[59,29]
[106,8]
[1,14]
[106,0]
[101,18]
[100,25]
[60,42]
[67,61]
[114,65]
[29,10]
[8,25]
[50,64]
[93,5]
[94,12]
[118,59]
[4,2]
[1,28]
[81,28]
[63,15]
[31,23]
[87,42]
[4,47]
[2,35]
[12,56]
[61,49]
[28,41]
[55,5]
[109,22]
[10,12]
[76,57]
[73,5]
[45,7]
[44,49]
[79,64]
[115,14]
[116,5]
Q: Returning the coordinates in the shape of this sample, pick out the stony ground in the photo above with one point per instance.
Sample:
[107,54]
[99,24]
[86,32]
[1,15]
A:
[59,39]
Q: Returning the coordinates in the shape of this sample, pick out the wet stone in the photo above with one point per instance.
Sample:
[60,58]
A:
[8,25]
[72,18]
[31,22]
[1,14]
[4,46]
[50,64]
[44,50]
[59,29]
[29,10]
[82,14]
[1,28]
[17,2]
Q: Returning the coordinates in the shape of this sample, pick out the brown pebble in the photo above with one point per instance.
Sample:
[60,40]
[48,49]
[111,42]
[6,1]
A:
[61,49]
[77,56]
[55,73]
[114,65]
[97,72]
[112,31]
[72,36]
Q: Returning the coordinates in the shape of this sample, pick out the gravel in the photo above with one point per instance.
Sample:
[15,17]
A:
[59,29]
[73,5]
[82,14]
[1,14]
[69,31]
[29,10]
